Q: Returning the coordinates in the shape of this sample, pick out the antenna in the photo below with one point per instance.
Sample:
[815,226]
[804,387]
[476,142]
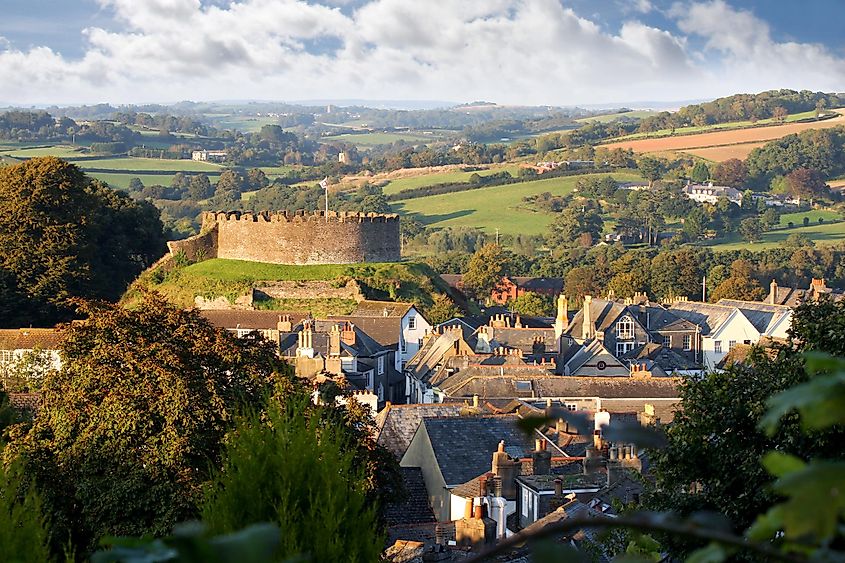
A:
[703,289]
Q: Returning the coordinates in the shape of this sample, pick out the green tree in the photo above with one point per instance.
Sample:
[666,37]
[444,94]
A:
[26,373]
[135,185]
[584,280]
[651,168]
[700,173]
[256,179]
[751,229]
[23,526]
[64,235]
[695,223]
[441,310]
[740,284]
[676,274]
[771,217]
[229,188]
[129,428]
[290,466]
[488,265]
[533,305]
[200,187]
[572,224]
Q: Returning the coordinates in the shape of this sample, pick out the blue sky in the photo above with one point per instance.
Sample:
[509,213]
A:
[510,51]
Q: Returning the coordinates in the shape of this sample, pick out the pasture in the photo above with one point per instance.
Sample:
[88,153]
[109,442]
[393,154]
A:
[140,164]
[120,181]
[457,175]
[608,117]
[722,138]
[824,234]
[366,140]
[727,152]
[61,151]
[499,207]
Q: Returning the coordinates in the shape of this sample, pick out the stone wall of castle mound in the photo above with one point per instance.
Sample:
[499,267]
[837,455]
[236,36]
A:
[299,238]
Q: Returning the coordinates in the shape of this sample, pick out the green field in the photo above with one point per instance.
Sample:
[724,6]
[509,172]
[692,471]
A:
[247,124]
[822,235]
[798,217]
[121,181]
[140,164]
[411,182]
[499,207]
[608,117]
[62,151]
[373,139]
[710,128]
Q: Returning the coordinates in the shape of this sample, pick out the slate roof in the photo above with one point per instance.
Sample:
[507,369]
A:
[257,320]
[364,345]
[763,316]
[666,359]
[463,446]
[522,338]
[587,352]
[414,507]
[29,339]
[385,330]
[706,315]
[397,424]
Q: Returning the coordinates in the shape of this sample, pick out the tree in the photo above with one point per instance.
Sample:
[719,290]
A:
[441,310]
[23,527]
[229,187]
[573,222]
[135,185]
[751,229]
[700,173]
[798,240]
[780,114]
[695,223]
[732,172]
[130,427]
[584,280]
[26,373]
[740,284]
[533,305]
[806,183]
[64,235]
[712,461]
[200,188]
[676,274]
[256,179]
[651,168]
[488,265]
[771,217]
[292,467]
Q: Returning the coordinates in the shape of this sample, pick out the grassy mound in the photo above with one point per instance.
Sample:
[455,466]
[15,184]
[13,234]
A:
[412,282]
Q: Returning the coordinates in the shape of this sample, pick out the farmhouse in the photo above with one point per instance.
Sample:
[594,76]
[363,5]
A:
[708,193]
[208,156]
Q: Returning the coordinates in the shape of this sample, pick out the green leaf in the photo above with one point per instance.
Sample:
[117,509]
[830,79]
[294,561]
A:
[780,464]
[820,401]
[548,551]
[766,526]
[713,553]
[816,496]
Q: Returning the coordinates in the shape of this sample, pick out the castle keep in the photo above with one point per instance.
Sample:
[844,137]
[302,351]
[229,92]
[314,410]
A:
[294,237]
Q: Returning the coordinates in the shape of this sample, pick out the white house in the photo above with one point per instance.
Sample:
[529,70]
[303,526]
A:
[16,343]
[708,193]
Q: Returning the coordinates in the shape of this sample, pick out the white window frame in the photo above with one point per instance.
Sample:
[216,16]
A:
[731,344]
[624,347]
[7,356]
[717,346]
[381,365]
[625,328]
[687,342]
[667,341]
[412,323]
[525,495]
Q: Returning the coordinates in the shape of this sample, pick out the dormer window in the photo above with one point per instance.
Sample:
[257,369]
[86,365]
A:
[625,328]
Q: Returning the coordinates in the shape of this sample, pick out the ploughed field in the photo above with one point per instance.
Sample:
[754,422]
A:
[724,139]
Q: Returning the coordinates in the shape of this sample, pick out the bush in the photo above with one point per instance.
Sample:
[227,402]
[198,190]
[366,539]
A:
[790,225]
[291,468]
[23,528]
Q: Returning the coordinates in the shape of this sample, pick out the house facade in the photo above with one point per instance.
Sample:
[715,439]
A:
[708,193]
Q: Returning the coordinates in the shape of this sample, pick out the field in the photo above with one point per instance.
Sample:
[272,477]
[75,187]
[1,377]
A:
[457,175]
[140,164]
[727,152]
[823,235]
[499,207]
[121,180]
[62,151]
[798,217]
[723,138]
[608,117]
[372,139]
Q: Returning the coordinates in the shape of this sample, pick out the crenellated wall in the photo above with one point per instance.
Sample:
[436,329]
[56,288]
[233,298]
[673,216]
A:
[295,238]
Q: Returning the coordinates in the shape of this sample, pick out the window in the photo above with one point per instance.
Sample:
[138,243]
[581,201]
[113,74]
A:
[667,341]
[523,386]
[624,347]
[571,407]
[525,495]
[419,343]
[625,328]
[687,342]
[381,365]
[6,356]
[717,346]
[402,345]
[731,344]
[412,323]
[380,392]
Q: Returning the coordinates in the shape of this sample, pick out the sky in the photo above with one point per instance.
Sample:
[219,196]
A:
[523,52]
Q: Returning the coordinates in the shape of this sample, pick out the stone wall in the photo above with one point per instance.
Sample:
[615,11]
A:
[296,238]
[308,290]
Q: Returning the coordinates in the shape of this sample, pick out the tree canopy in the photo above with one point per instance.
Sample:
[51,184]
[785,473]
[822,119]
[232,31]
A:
[65,235]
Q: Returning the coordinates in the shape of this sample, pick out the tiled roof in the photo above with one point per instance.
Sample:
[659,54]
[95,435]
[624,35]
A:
[384,330]
[414,507]
[258,320]
[463,446]
[29,339]
[397,424]
[523,338]
[707,315]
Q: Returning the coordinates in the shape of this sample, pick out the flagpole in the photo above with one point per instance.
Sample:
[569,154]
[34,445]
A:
[325,184]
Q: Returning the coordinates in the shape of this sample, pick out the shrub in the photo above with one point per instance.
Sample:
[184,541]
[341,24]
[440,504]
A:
[23,528]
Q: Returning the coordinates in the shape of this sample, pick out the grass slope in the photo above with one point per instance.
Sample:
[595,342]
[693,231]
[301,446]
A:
[131,163]
[499,207]
[373,139]
[411,182]
[608,117]
[824,234]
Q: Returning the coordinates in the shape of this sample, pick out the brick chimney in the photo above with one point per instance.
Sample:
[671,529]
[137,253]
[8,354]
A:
[476,531]
[588,329]
[347,335]
[284,324]
[541,458]
[305,347]
[334,340]
[773,292]
[507,469]
[562,319]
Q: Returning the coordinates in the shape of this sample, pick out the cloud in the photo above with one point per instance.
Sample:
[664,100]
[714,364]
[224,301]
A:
[510,51]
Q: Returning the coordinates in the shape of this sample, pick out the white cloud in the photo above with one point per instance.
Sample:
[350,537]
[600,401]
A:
[510,51]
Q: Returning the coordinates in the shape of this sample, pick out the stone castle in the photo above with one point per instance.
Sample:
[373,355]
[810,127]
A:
[294,237]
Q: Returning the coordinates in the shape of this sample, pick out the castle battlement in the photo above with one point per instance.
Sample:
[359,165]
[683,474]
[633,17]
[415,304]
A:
[295,237]
[299,216]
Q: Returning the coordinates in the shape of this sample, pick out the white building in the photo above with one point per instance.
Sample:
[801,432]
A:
[708,193]
[210,156]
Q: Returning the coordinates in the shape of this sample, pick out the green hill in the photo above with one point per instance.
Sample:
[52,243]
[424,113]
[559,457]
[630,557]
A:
[231,279]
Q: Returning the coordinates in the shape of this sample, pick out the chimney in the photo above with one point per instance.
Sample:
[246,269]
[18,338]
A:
[518,322]
[587,328]
[334,340]
[475,401]
[347,335]
[541,458]
[284,324]
[562,319]
[558,487]
[507,469]
[773,292]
